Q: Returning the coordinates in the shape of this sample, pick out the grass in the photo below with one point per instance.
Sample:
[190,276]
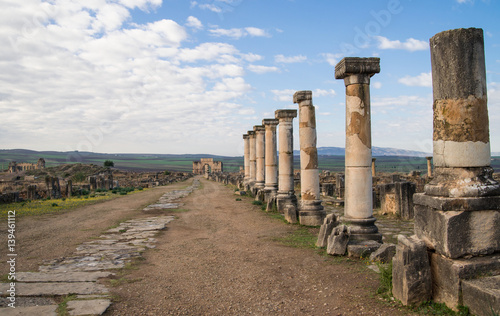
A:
[41,207]
[300,238]
[385,277]
[433,308]
[62,308]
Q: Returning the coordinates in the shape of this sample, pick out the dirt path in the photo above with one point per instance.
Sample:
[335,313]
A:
[48,237]
[221,258]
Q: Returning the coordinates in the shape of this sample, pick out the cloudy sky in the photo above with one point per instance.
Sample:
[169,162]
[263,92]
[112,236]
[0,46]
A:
[180,76]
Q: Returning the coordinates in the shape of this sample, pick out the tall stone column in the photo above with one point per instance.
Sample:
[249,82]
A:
[429,166]
[458,215]
[253,159]
[286,192]
[246,157]
[311,211]
[358,210]
[260,153]
[271,158]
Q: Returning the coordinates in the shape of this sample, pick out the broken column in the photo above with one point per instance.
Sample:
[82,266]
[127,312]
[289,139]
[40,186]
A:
[374,172]
[286,192]
[246,157]
[429,167]
[271,158]
[311,211]
[252,159]
[260,151]
[458,215]
[356,73]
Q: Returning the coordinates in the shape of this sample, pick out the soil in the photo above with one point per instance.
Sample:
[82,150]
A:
[219,257]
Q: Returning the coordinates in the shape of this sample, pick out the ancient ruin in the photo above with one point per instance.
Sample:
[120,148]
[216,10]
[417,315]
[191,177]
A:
[271,159]
[207,165]
[310,210]
[24,166]
[457,217]
[260,153]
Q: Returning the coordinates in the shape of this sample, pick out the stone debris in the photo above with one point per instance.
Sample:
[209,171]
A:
[79,274]
[329,223]
[362,249]
[338,240]
[384,254]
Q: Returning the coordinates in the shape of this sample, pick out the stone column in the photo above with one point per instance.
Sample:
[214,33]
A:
[286,192]
[356,73]
[252,160]
[374,171]
[260,152]
[311,211]
[429,167]
[246,157]
[458,215]
[271,158]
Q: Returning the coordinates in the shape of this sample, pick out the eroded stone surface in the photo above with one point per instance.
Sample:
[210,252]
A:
[48,310]
[88,307]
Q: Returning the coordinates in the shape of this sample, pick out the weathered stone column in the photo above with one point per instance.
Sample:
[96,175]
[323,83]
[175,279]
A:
[458,215]
[356,73]
[311,211]
[429,166]
[260,152]
[374,171]
[246,157]
[286,192]
[252,160]
[271,159]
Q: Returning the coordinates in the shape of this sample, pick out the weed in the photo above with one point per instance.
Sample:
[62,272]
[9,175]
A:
[62,308]
[54,204]
[122,280]
[433,308]
[300,238]
[385,277]
[179,210]
[238,199]
[257,203]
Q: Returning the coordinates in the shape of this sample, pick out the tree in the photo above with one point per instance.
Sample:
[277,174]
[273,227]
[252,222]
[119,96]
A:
[109,163]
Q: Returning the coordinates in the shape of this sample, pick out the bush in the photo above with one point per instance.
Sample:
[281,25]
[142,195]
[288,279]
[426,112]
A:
[257,203]
[54,204]
[109,163]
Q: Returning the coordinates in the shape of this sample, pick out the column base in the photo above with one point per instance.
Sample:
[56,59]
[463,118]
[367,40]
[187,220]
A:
[311,213]
[269,193]
[285,199]
[363,229]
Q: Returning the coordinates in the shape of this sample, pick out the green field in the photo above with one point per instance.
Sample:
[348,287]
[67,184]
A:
[184,163]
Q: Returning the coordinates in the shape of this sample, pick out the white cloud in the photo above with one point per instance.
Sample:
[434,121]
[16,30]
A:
[252,57]
[376,84]
[411,44]
[193,22]
[262,69]
[290,59]
[323,93]
[210,7]
[332,59]
[238,33]
[422,80]
[283,95]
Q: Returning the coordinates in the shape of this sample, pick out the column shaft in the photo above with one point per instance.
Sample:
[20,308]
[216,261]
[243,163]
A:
[260,151]
[252,160]
[271,157]
[246,156]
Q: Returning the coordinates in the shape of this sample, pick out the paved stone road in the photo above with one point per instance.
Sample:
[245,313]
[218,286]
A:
[92,260]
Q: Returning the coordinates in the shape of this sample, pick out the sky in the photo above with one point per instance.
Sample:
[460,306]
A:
[191,77]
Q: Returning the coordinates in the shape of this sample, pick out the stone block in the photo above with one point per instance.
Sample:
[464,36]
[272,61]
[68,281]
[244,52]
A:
[362,249]
[457,234]
[88,307]
[384,254]
[325,230]
[338,240]
[448,274]
[291,214]
[411,273]
[240,193]
[482,295]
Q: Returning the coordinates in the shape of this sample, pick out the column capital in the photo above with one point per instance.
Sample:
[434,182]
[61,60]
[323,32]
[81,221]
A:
[283,114]
[356,66]
[270,122]
[303,95]
[251,133]
[259,128]
[246,136]
[429,158]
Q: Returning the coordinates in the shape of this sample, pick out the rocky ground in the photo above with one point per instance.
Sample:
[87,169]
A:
[219,256]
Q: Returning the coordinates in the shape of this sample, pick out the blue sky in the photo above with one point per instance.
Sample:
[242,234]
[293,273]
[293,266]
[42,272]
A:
[179,76]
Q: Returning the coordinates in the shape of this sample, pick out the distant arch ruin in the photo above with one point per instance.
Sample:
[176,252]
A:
[207,165]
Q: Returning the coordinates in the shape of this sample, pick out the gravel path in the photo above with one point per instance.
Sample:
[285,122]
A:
[221,258]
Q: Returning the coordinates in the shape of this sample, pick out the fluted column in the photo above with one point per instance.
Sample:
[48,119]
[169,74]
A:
[252,160]
[311,211]
[260,152]
[246,157]
[358,210]
[286,192]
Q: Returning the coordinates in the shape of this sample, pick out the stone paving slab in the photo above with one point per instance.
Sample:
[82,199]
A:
[61,277]
[58,288]
[88,307]
[47,310]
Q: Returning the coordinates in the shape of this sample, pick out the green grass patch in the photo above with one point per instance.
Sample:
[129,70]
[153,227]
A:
[52,206]
[300,238]
[433,308]
[62,308]
[385,277]
[123,280]
[178,210]
[257,203]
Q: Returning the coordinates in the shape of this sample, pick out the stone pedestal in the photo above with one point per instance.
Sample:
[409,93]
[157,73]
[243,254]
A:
[356,73]
[271,159]
[286,193]
[246,157]
[260,152]
[311,211]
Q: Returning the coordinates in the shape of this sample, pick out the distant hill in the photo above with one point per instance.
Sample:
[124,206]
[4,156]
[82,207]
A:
[376,152]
